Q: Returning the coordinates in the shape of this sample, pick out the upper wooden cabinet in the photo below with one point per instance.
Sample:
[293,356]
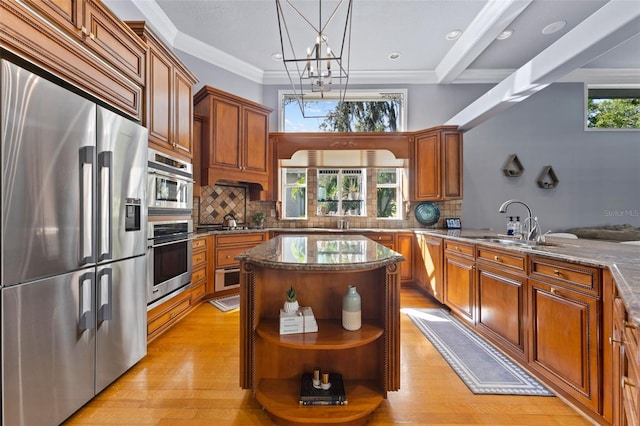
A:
[82,42]
[436,164]
[235,144]
[168,110]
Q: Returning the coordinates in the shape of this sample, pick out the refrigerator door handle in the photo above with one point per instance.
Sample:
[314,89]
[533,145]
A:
[86,316]
[105,285]
[105,179]
[86,205]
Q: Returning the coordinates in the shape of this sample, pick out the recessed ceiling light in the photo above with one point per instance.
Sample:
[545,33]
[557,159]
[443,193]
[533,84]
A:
[454,35]
[394,55]
[276,56]
[554,27]
[504,35]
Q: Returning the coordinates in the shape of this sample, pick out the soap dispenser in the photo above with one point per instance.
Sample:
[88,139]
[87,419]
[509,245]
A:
[510,226]
[517,226]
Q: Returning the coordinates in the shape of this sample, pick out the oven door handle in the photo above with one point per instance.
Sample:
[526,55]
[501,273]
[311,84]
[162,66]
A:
[171,175]
[171,242]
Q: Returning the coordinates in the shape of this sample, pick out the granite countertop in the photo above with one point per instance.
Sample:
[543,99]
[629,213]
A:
[623,260]
[320,252]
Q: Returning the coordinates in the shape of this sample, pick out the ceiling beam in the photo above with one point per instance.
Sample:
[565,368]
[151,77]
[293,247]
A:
[612,24]
[494,17]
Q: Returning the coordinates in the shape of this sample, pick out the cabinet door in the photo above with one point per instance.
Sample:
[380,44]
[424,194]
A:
[426,170]
[459,292]
[452,165]
[428,261]
[183,114]
[225,147]
[255,137]
[564,340]
[404,246]
[501,312]
[158,104]
[113,41]
[63,12]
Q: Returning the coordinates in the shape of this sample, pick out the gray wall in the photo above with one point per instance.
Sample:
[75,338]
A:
[599,171]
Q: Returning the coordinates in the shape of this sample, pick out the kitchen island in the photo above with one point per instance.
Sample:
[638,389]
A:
[319,268]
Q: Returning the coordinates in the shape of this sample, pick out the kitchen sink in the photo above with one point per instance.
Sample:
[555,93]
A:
[514,242]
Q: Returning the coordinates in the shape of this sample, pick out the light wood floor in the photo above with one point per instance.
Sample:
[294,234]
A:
[190,377]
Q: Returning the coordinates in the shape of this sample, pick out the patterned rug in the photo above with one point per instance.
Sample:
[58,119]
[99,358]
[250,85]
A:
[483,368]
[226,304]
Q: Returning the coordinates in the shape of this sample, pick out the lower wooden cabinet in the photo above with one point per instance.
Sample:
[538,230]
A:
[459,273]
[200,265]
[428,265]
[404,246]
[564,341]
[166,314]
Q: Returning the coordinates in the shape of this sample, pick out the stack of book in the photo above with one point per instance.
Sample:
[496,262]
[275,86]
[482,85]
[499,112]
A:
[312,395]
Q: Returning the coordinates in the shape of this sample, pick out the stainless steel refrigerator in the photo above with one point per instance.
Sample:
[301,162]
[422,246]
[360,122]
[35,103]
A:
[73,247]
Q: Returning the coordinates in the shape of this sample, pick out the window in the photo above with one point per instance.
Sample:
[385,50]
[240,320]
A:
[341,192]
[362,111]
[613,108]
[389,193]
[294,200]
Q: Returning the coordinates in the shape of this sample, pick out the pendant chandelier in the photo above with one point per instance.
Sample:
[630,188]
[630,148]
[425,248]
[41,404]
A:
[313,65]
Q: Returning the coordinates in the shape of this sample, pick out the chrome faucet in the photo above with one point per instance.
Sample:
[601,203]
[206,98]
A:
[530,223]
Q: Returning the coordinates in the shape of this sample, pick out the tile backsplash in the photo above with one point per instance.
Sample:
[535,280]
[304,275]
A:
[219,200]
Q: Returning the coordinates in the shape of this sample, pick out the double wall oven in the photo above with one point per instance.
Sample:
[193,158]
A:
[170,226]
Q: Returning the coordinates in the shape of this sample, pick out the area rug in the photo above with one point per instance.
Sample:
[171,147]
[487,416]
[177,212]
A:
[226,304]
[482,367]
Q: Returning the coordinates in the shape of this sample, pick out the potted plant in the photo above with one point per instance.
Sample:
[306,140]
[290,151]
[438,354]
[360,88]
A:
[259,218]
[291,304]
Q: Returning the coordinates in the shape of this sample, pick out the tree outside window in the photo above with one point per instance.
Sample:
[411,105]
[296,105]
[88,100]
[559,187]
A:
[294,201]
[613,108]
[388,193]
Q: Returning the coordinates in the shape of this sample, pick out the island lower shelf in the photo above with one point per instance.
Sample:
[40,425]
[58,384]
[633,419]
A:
[330,335]
[281,397]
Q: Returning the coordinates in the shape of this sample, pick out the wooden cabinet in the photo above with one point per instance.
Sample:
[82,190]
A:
[161,317]
[82,42]
[201,273]
[228,246]
[272,364]
[436,164]
[625,366]
[235,143]
[404,246]
[198,121]
[565,328]
[168,111]
[502,299]
[428,265]
[459,276]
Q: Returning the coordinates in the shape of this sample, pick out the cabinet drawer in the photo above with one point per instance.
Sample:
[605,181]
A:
[459,248]
[239,239]
[197,292]
[517,262]
[227,256]
[168,315]
[380,238]
[198,275]
[199,244]
[571,275]
[199,258]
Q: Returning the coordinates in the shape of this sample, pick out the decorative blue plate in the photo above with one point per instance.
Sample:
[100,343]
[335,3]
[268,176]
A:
[427,213]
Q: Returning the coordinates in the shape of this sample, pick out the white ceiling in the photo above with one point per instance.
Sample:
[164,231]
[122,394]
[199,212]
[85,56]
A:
[600,42]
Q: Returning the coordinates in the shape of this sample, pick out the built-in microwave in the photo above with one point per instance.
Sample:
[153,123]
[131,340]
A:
[227,278]
[169,185]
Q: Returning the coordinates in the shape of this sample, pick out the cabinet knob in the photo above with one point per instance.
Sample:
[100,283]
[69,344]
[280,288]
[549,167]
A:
[557,273]
[92,36]
[497,258]
[612,341]
[228,257]
[555,291]
[626,382]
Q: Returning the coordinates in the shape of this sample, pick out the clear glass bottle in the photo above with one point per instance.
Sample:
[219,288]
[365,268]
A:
[351,309]
[510,226]
[517,227]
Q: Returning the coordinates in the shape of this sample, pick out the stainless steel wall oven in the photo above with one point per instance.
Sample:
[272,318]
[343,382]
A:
[168,258]
[169,185]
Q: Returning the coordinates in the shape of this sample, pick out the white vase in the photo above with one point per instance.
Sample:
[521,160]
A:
[351,309]
[291,307]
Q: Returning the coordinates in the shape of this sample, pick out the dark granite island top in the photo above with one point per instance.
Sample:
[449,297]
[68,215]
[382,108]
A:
[319,252]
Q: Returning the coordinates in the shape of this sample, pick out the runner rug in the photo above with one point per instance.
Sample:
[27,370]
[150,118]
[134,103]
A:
[482,367]
[226,304]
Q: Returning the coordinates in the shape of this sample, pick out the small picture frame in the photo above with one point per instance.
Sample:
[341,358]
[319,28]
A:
[453,223]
